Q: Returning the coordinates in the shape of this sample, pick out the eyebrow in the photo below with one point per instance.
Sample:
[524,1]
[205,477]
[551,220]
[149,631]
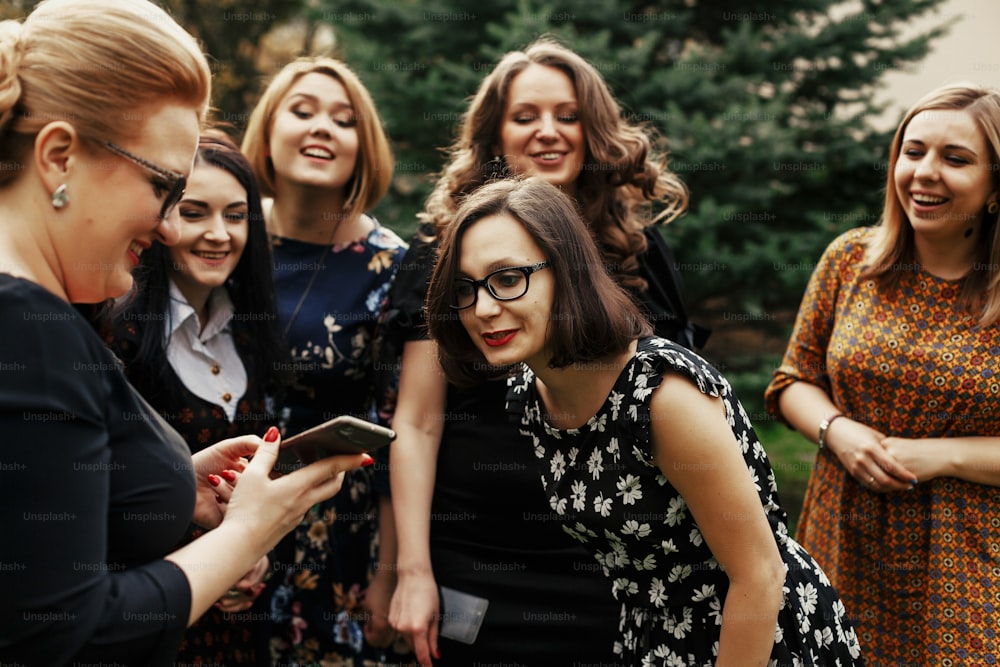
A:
[203,204]
[315,100]
[532,105]
[953,147]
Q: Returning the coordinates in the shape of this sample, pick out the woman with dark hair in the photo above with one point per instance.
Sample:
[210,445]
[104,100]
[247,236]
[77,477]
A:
[471,519]
[200,342]
[648,458]
[892,370]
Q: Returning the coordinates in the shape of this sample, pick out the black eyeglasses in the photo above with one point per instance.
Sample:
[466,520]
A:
[174,183]
[503,284]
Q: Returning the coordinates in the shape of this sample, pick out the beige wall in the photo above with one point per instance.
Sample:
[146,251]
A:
[969,52]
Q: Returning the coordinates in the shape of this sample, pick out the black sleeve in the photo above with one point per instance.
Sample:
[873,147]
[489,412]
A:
[663,300]
[62,600]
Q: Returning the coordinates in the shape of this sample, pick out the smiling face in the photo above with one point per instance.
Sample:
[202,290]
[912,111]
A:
[943,176]
[506,332]
[541,133]
[114,209]
[314,136]
[214,225]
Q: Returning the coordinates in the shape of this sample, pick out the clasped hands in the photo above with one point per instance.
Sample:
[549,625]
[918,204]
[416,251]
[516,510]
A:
[882,463]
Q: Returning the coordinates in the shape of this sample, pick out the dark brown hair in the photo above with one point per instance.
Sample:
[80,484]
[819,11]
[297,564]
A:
[592,316]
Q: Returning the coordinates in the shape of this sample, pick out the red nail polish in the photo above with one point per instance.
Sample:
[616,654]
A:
[228,475]
[367,461]
[214,480]
[272,434]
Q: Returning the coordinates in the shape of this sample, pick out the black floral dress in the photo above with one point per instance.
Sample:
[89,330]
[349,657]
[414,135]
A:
[601,480]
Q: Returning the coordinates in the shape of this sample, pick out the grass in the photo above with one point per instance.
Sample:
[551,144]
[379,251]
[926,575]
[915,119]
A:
[792,457]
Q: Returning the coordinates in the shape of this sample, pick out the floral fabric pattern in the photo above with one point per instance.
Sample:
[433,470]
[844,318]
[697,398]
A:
[329,301]
[601,480]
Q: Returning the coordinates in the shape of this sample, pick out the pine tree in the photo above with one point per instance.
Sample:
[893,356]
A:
[766,113]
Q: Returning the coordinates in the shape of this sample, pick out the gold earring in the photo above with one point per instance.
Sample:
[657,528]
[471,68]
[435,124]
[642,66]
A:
[992,207]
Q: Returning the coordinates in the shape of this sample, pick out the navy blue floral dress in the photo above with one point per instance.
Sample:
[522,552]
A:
[329,300]
[601,480]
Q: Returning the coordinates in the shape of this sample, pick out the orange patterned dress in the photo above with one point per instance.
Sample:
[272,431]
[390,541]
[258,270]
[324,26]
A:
[919,571]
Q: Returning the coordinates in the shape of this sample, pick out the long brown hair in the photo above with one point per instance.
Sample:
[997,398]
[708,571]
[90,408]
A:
[621,176]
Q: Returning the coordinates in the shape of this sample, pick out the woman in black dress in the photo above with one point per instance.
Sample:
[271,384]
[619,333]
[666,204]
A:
[647,457]
[470,515]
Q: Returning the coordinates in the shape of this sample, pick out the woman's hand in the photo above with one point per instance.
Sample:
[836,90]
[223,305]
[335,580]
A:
[274,506]
[926,457]
[376,603]
[415,612]
[260,512]
[216,469]
[862,451]
[241,596]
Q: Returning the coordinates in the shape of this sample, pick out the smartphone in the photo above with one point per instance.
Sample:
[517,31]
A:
[340,435]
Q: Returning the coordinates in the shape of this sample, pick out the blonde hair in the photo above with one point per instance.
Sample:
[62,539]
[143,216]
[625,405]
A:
[892,243]
[621,173]
[82,61]
[374,166]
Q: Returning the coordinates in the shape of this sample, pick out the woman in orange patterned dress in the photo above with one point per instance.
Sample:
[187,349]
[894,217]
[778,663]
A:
[894,369]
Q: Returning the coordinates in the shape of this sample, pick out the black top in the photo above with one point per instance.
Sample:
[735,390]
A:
[94,488]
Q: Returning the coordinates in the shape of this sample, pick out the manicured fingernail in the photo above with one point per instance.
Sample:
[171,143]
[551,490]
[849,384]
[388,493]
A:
[214,480]
[228,475]
[271,435]
[368,460]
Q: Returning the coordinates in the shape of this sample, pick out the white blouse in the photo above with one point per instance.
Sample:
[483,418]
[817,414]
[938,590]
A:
[205,358]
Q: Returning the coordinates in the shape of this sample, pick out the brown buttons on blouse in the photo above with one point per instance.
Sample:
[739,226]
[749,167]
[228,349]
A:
[227,397]
[216,370]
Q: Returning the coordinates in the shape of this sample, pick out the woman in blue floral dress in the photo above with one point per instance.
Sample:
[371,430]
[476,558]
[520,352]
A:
[646,455]
[320,153]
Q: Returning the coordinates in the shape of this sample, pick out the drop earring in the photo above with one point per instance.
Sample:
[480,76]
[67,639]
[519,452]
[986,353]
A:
[60,197]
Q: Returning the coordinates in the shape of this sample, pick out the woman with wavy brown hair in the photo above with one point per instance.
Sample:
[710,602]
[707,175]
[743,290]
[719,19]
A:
[471,517]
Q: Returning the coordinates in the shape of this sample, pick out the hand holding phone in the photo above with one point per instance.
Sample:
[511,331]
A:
[340,435]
